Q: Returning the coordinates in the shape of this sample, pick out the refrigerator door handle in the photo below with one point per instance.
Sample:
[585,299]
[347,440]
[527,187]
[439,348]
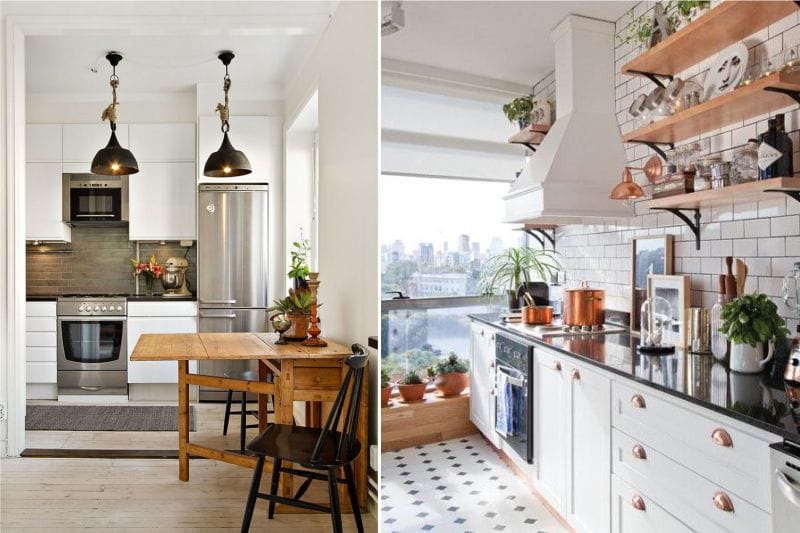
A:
[202,301]
[203,315]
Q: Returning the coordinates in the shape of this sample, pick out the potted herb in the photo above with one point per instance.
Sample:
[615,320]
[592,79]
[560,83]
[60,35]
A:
[411,387]
[507,270]
[386,388]
[298,271]
[750,321]
[451,375]
[297,307]
[519,110]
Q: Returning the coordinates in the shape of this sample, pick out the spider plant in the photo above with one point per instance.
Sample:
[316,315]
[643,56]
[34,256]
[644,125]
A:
[514,266]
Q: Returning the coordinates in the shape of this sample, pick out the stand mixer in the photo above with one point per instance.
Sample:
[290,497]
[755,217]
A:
[174,278]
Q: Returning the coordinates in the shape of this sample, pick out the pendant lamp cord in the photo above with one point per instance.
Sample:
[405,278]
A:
[110,112]
[224,110]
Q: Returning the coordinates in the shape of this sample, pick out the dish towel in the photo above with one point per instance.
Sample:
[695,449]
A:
[503,405]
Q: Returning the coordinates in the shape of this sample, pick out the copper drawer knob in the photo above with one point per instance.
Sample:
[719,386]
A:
[638,401]
[638,503]
[575,374]
[721,438]
[557,366]
[638,451]
[723,502]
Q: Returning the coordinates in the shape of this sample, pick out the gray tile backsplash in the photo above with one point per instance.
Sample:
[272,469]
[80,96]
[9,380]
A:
[97,261]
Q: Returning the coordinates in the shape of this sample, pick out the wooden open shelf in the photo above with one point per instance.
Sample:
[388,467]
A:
[742,193]
[740,104]
[725,24]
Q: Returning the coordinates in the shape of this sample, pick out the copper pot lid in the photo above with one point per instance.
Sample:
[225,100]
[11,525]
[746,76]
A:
[584,287]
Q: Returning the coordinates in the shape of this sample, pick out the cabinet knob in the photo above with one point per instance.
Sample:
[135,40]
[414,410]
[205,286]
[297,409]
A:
[575,374]
[482,333]
[638,503]
[721,438]
[491,337]
[492,364]
[723,502]
[638,451]
[557,366]
[638,401]
[493,392]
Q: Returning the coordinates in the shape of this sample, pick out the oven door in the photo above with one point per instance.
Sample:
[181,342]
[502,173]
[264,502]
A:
[92,343]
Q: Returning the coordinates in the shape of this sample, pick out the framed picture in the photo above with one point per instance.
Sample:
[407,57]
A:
[649,256]
[675,290]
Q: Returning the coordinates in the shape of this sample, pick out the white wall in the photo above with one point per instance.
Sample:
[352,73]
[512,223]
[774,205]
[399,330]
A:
[344,68]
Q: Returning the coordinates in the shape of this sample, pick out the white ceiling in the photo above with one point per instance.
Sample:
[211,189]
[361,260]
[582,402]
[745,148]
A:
[507,41]
[269,48]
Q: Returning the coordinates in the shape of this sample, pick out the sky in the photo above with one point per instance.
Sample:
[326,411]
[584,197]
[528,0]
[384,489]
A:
[433,210]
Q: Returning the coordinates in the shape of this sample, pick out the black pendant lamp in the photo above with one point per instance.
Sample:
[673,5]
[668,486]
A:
[114,160]
[227,162]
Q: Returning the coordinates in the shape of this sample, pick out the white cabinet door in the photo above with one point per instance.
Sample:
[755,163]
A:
[481,383]
[155,371]
[633,512]
[162,202]
[82,141]
[550,427]
[163,142]
[589,459]
[260,138]
[43,199]
[42,143]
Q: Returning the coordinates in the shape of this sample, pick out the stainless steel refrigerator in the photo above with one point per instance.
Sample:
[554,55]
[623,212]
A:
[232,266]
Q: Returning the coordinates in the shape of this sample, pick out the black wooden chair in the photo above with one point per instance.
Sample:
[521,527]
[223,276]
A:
[326,450]
[249,375]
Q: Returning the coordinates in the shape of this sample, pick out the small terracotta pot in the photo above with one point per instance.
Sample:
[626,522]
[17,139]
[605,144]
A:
[386,395]
[299,329]
[412,393]
[452,384]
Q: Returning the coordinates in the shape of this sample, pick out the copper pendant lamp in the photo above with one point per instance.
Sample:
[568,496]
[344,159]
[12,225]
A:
[113,160]
[627,189]
[227,162]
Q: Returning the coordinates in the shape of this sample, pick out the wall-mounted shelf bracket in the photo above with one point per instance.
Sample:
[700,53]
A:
[694,226]
[542,234]
[655,147]
[529,146]
[795,95]
[655,78]
[791,193]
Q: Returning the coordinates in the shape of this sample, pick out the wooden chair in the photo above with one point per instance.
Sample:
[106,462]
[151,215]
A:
[326,450]
[249,375]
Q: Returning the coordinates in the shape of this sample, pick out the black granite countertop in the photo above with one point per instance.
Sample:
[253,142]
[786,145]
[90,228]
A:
[41,297]
[761,400]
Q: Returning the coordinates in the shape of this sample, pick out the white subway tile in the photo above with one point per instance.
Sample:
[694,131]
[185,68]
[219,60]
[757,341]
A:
[771,247]
[732,230]
[746,247]
[756,228]
[789,225]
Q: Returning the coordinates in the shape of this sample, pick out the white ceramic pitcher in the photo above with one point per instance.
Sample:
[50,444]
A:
[750,359]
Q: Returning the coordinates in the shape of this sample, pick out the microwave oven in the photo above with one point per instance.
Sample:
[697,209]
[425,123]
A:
[94,199]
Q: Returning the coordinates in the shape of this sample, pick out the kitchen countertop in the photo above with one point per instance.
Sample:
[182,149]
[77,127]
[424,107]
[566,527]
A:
[130,298]
[761,400]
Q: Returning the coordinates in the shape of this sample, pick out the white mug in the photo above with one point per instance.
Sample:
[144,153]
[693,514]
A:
[748,359]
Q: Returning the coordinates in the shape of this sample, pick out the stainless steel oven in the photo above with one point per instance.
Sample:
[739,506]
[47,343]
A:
[514,399]
[91,345]
[92,199]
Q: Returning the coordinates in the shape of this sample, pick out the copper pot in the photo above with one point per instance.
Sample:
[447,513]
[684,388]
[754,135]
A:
[537,314]
[584,306]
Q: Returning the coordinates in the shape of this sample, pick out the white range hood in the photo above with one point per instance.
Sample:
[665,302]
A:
[581,159]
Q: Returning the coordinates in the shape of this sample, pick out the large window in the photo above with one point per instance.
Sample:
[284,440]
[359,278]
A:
[436,234]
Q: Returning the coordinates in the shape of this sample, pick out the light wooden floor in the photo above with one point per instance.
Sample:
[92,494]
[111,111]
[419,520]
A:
[142,494]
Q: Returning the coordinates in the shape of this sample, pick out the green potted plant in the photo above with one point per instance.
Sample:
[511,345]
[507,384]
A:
[412,387]
[299,269]
[451,375]
[296,306]
[509,269]
[519,110]
[748,322]
[386,388]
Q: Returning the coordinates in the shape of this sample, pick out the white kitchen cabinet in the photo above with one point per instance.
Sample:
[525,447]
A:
[43,198]
[43,143]
[633,512]
[40,350]
[550,427]
[158,317]
[259,137]
[163,142]
[481,376]
[82,141]
[162,202]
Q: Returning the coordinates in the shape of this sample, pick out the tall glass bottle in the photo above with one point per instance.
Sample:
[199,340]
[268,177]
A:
[769,137]
[784,145]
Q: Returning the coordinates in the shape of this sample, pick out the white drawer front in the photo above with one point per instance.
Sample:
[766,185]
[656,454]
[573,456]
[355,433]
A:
[38,372]
[40,309]
[40,323]
[686,437]
[626,518]
[42,354]
[40,338]
[681,491]
[154,309]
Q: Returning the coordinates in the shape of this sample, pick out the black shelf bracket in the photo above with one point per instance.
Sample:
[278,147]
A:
[655,78]
[794,194]
[794,95]
[529,146]
[542,234]
[694,226]
[655,147]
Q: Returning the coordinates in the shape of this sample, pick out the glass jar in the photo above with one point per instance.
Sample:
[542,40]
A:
[719,343]
[656,322]
[745,163]
[704,174]
[791,289]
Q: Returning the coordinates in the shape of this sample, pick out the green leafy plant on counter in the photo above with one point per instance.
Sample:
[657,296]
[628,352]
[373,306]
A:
[411,378]
[298,302]
[385,381]
[450,365]
[507,270]
[519,110]
[751,319]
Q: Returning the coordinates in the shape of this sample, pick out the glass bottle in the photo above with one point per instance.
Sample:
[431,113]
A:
[769,137]
[784,145]
[745,163]
[719,343]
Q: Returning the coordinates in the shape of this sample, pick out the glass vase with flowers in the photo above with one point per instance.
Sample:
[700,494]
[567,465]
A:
[151,271]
